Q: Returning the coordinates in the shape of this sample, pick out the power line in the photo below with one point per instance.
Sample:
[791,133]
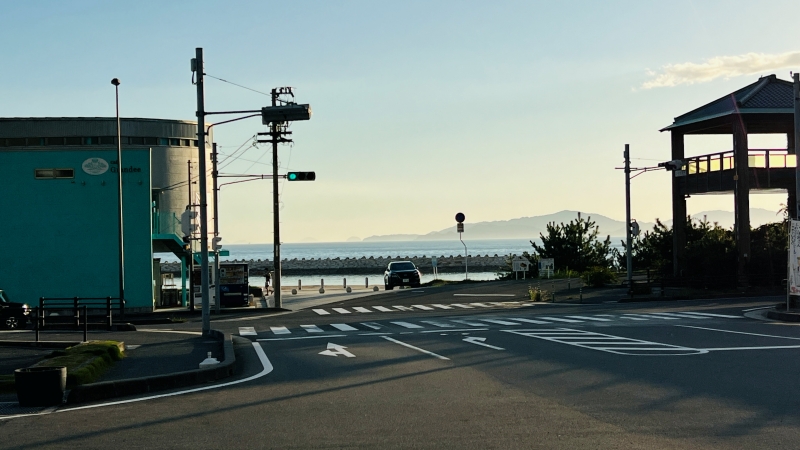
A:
[239,85]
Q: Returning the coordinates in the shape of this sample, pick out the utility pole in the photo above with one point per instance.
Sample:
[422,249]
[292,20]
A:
[276,222]
[191,246]
[628,240]
[214,175]
[201,145]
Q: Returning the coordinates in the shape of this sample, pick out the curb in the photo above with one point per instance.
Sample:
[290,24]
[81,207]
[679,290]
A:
[783,316]
[133,386]
[41,344]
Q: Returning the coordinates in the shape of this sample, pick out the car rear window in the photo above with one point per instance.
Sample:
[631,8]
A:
[402,266]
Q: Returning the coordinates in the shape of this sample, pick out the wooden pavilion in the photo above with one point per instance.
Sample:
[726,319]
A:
[764,107]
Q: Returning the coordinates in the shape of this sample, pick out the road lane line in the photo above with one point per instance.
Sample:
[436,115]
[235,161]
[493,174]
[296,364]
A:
[651,316]
[312,328]
[440,306]
[372,325]
[740,332]
[756,309]
[770,347]
[680,315]
[361,309]
[280,330]
[383,309]
[454,331]
[461,305]
[321,312]
[423,307]
[415,348]
[407,325]
[343,327]
[724,316]
[633,318]
[302,337]
[341,310]
[265,363]
[468,323]
[247,331]
[438,324]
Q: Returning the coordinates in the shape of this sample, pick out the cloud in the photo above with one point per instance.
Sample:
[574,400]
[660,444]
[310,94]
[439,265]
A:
[720,67]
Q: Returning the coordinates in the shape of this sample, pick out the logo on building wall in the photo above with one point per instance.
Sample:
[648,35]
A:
[95,166]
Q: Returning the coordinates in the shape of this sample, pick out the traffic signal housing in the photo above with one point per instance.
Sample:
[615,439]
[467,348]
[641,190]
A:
[301,176]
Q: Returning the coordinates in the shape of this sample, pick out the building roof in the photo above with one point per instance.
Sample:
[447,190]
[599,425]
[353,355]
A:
[768,95]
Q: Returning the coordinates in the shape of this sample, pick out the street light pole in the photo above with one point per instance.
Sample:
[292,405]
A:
[628,239]
[215,189]
[276,224]
[116,83]
[201,145]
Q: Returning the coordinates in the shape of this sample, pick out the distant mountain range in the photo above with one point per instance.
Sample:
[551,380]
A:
[530,227]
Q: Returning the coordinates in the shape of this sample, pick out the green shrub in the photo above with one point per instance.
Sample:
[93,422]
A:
[598,276]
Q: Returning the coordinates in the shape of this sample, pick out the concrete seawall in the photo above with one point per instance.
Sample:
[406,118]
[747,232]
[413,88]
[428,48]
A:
[364,265]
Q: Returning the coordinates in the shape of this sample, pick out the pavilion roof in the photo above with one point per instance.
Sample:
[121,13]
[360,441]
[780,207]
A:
[768,95]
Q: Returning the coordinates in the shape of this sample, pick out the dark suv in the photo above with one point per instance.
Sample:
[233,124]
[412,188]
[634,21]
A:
[400,273]
[12,315]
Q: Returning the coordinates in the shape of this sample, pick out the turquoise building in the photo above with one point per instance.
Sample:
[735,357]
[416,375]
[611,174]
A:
[59,205]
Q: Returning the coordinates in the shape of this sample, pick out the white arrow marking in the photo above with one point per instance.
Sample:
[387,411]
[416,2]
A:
[479,341]
[336,350]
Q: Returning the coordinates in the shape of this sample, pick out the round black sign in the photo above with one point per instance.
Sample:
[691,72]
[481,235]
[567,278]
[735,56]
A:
[460,217]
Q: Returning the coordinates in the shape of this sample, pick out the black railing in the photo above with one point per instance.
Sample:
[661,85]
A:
[75,305]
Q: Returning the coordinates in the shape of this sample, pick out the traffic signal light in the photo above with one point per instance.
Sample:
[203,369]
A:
[301,176]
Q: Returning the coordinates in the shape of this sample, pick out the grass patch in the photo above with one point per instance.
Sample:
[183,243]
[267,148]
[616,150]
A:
[84,362]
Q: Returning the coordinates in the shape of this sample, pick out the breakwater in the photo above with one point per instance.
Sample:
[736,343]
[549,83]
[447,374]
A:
[364,265]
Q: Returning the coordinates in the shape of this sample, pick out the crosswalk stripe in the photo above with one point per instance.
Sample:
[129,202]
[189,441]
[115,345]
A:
[423,307]
[598,319]
[460,305]
[520,319]
[383,309]
[438,324]
[321,312]
[653,316]
[437,305]
[341,310]
[558,319]
[482,305]
[280,330]
[633,318]
[499,322]
[246,331]
[312,328]
[468,322]
[361,309]
[402,308]
[682,316]
[343,327]
[372,325]
[407,325]
[725,316]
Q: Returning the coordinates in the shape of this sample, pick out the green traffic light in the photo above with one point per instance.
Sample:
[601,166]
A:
[292,176]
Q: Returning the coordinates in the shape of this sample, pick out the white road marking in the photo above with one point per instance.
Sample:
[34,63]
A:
[312,328]
[336,350]
[194,333]
[460,305]
[651,316]
[479,341]
[321,312]
[598,319]
[265,363]
[469,323]
[423,307]
[740,332]
[483,295]
[372,325]
[756,309]
[438,305]
[402,308]
[247,331]
[680,315]
[438,324]
[341,310]
[601,342]
[482,305]
[407,325]
[632,318]
[771,347]
[724,316]
[499,322]
[343,327]
[383,309]
[454,331]
[361,309]
[302,337]
[558,319]
[280,330]
[415,348]
[520,319]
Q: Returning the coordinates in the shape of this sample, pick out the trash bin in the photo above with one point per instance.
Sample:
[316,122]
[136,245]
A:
[40,386]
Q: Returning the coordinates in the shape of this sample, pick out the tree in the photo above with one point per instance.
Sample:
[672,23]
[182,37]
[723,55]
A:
[575,245]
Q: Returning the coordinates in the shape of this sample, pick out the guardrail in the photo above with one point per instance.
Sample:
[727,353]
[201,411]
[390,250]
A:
[77,305]
[756,158]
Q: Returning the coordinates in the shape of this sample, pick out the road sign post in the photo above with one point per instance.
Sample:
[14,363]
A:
[460,218]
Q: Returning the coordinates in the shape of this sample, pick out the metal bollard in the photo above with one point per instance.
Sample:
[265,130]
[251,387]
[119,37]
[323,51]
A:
[580,291]
[344,283]
[85,323]
[299,285]
[366,282]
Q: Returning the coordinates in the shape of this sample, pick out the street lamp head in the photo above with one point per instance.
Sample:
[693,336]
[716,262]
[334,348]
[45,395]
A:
[115,81]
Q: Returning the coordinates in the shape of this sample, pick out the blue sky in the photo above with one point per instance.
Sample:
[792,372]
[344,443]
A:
[421,109]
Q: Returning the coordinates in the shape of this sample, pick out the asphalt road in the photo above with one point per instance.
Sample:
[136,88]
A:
[471,367]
